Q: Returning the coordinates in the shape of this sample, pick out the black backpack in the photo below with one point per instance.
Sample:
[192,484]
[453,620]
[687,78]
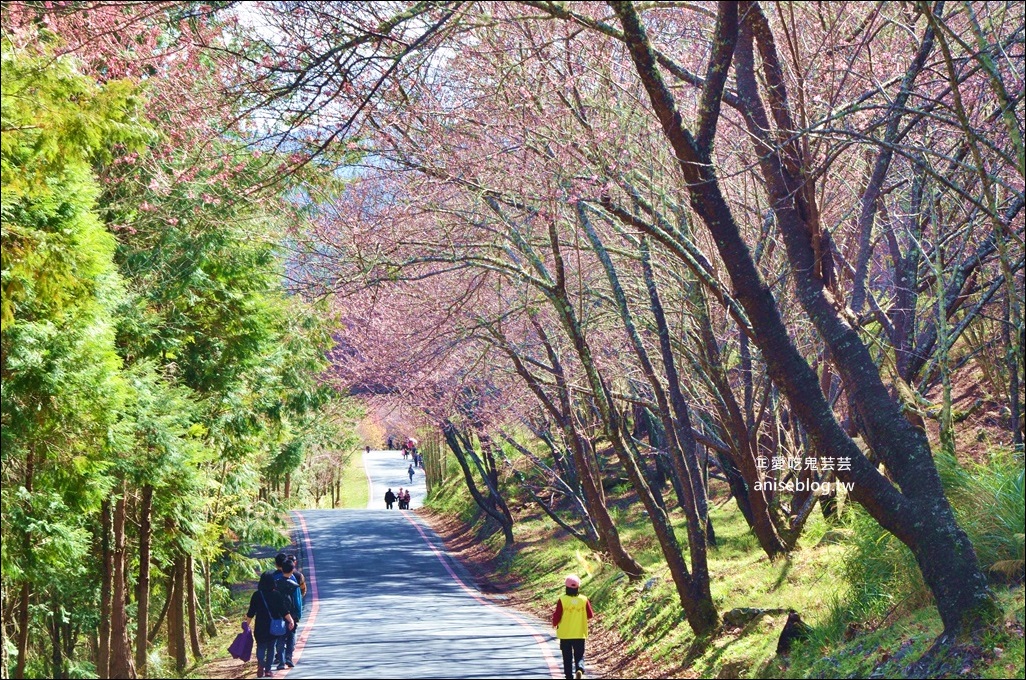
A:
[293,598]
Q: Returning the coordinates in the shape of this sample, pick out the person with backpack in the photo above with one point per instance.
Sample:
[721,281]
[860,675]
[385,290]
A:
[571,622]
[273,620]
[287,584]
[298,575]
[411,473]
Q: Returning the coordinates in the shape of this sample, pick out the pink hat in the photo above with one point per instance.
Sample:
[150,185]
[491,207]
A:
[573,581]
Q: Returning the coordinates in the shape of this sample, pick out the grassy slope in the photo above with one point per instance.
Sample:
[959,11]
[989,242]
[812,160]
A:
[648,616]
[354,483]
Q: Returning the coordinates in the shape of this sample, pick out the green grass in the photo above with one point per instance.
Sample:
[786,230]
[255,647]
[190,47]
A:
[355,493]
[451,496]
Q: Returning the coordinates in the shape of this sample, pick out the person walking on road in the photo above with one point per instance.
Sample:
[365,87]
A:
[389,499]
[411,473]
[571,622]
[297,574]
[279,560]
[266,604]
[288,585]
[389,443]
[399,497]
[406,500]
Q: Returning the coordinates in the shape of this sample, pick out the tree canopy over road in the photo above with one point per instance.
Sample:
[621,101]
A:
[758,246]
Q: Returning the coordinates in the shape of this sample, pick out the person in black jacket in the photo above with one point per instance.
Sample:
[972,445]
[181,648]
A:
[266,604]
[389,499]
[288,585]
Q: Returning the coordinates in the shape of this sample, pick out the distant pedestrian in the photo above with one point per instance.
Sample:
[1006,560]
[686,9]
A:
[411,473]
[399,497]
[389,443]
[367,449]
[406,499]
[571,622]
[267,605]
[389,499]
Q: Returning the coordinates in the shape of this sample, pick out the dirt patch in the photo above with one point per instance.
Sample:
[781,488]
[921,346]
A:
[982,417]
[226,669]
[607,653]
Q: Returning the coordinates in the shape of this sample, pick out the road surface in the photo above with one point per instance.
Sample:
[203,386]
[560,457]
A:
[386,602]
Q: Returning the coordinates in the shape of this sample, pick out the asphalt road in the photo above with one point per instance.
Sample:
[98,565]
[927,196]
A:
[384,601]
[387,470]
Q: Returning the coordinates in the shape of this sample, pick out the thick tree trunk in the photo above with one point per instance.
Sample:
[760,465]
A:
[190,593]
[23,629]
[143,586]
[121,662]
[488,504]
[942,549]
[106,588]
[152,635]
[920,516]
[208,613]
[176,631]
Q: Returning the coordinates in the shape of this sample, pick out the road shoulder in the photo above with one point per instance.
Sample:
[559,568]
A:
[607,651]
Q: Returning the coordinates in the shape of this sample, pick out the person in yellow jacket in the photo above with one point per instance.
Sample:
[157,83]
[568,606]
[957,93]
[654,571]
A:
[571,622]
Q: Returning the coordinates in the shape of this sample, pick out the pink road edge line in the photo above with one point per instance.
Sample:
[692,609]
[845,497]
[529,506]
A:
[310,572]
[550,659]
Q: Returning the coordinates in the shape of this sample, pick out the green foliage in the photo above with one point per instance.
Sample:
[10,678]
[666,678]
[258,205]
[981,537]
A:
[55,123]
[62,389]
[147,340]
